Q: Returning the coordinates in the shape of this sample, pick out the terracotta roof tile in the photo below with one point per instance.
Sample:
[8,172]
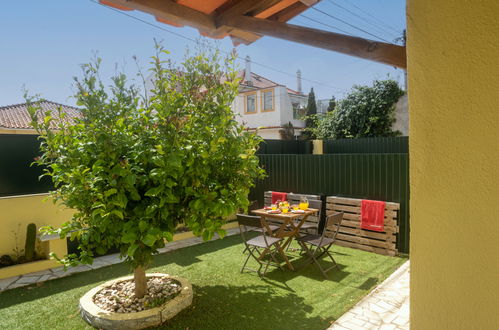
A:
[260,82]
[257,81]
[16,116]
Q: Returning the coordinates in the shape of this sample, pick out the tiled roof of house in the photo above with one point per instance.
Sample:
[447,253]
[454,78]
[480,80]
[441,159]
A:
[260,82]
[16,116]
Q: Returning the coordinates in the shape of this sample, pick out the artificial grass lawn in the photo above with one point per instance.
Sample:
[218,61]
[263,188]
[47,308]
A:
[223,297]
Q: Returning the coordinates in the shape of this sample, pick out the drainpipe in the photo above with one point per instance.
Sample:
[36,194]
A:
[298,81]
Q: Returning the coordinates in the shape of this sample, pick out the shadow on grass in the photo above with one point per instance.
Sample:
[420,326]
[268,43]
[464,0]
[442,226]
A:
[369,283]
[245,307]
[195,251]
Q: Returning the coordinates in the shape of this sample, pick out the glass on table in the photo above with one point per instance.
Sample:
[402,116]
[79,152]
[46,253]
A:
[303,203]
[273,206]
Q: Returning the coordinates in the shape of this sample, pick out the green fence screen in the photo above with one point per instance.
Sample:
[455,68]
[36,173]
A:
[367,176]
[381,145]
[17,176]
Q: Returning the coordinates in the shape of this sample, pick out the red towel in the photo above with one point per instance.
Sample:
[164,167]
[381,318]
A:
[372,215]
[278,196]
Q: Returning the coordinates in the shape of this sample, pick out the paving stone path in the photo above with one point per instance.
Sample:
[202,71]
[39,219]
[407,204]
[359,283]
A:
[50,274]
[385,308]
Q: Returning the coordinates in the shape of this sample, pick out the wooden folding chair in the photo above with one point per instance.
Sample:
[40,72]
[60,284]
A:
[316,246]
[255,246]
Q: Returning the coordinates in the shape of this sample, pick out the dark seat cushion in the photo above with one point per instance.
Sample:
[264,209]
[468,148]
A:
[272,227]
[260,241]
[315,240]
[309,225]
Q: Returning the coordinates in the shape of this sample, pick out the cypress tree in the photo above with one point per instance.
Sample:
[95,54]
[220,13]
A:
[311,116]
[332,104]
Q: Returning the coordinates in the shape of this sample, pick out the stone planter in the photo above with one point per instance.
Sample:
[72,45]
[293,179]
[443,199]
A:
[103,319]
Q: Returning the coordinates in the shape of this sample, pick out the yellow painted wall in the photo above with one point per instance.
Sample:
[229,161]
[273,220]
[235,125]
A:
[453,68]
[17,131]
[18,211]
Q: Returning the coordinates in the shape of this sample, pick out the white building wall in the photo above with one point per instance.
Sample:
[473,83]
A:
[401,116]
[282,113]
[292,98]
[270,134]
[259,118]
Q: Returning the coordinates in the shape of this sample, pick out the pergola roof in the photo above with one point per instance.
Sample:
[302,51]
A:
[245,21]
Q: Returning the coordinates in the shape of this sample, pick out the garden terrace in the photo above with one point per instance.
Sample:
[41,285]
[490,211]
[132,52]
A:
[223,297]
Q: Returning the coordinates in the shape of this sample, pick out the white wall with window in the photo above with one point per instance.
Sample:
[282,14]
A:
[270,108]
[294,106]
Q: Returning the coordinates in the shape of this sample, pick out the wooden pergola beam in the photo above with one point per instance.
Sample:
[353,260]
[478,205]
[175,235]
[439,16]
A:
[241,8]
[364,48]
[249,28]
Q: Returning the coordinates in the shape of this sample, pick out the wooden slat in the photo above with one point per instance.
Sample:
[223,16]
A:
[367,248]
[365,241]
[171,11]
[357,202]
[356,209]
[356,216]
[351,235]
[246,36]
[368,49]
[243,7]
[288,13]
[240,8]
[353,220]
[296,196]
[356,225]
[389,236]
[309,2]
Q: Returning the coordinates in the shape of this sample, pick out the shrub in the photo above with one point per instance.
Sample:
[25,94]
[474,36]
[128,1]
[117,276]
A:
[133,168]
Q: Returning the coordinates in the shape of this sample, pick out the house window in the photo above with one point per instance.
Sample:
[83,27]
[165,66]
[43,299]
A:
[250,103]
[299,111]
[268,100]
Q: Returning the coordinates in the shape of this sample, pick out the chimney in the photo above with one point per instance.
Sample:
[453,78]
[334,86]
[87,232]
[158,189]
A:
[298,81]
[247,72]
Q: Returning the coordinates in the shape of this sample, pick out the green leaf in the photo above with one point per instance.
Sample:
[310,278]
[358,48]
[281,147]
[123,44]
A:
[134,195]
[129,237]
[118,213]
[174,161]
[131,250]
[110,192]
[207,235]
[221,232]
[159,149]
[130,179]
[154,191]
[151,209]
[143,225]
[149,240]
[168,236]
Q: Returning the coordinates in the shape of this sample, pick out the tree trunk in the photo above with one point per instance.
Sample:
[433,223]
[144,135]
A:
[139,276]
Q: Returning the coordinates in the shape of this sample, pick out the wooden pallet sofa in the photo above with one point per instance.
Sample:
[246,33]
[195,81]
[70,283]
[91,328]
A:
[350,233]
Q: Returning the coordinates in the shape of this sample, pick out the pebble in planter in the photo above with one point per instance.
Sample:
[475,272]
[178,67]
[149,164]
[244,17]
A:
[113,305]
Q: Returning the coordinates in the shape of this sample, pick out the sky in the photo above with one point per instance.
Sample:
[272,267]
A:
[43,44]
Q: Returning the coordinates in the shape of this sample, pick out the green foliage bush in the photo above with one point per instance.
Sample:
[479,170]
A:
[367,111]
[133,168]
